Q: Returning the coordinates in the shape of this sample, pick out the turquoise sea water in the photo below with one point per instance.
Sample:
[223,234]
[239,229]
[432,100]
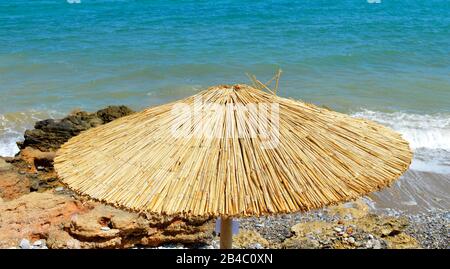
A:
[388,62]
[347,55]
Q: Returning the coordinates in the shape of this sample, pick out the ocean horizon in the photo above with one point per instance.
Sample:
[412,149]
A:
[386,62]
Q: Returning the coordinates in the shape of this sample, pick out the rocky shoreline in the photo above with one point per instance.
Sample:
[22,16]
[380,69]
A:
[37,211]
[354,225]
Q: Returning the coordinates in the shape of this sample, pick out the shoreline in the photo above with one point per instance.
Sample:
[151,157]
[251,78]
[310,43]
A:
[429,230]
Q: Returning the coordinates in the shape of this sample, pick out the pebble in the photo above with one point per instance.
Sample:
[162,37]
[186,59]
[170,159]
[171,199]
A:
[105,228]
[315,243]
[351,240]
[37,243]
[171,246]
[25,244]
[337,229]
[348,217]
[429,228]
[59,188]
[215,244]
[377,244]
[256,246]
[40,168]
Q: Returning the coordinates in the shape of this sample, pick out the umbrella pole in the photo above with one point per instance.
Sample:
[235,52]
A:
[226,233]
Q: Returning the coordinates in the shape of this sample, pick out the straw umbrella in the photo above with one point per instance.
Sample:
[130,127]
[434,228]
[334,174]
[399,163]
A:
[192,157]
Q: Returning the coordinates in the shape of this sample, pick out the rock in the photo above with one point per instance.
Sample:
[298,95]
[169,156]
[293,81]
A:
[49,135]
[392,226]
[351,240]
[108,227]
[249,239]
[4,166]
[36,160]
[59,189]
[59,239]
[255,246]
[402,241]
[302,243]
[349,230]
[37,167]
[376,244]
[25,244]
[13,185]
[301,229]
[68,223]
[350,210]
[32,216]
[113,112]
[373,231]
[38,243]
[215,244]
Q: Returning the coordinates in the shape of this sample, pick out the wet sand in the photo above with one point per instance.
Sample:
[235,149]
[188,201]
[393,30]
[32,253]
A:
[415,192]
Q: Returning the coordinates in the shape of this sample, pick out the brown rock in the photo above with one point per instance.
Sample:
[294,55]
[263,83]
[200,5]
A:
[68,223]
[388,231]
[36,159]
[32,216]
[123,229]
[249,239]
[108,227]
[38,167]
[58,238]
[13,185]
[113,112]
[4,166]
[307,235]
[301,243]
[356,209]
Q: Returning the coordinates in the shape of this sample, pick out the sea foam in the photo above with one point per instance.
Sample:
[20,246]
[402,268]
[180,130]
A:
[13,126]
[428,136]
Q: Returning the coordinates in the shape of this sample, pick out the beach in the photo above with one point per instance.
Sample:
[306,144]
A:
[38,210]
[385,62]
[368,63]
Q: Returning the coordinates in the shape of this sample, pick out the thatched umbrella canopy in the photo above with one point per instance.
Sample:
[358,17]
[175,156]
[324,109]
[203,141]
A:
[207,160]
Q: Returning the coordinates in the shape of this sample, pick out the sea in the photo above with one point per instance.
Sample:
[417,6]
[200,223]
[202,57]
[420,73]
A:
[384,60]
